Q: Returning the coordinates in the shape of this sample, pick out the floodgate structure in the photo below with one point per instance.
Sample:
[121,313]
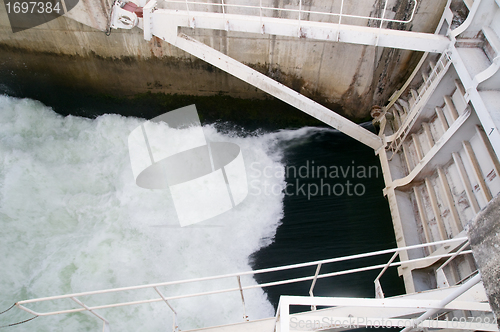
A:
[438,144]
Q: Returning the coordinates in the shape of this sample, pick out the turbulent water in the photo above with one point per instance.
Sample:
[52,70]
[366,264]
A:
[73,220]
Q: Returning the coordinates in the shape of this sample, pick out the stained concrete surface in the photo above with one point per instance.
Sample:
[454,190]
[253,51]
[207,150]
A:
[354,77]
[484,235]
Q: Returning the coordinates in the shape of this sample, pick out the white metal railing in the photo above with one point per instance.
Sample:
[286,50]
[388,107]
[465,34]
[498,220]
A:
[428,87]
[83,307]
[299,11]
[407,322]
[379,294]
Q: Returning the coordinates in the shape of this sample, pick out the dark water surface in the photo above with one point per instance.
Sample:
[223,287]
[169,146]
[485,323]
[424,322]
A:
[331,225]
[352,217]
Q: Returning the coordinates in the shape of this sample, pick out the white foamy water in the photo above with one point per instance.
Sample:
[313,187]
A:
[72,220]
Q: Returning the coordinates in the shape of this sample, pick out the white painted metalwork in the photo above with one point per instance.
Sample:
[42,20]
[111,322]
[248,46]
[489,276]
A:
[311,290]
[300,12]
[164,23]
[245,317]
[440,276]
[105,327]
[440,271]
[121,18]
[428,88]
[459,291]
[175,322]
[395,96]
[429,307]
[167,22]
[274,88]
[75,297]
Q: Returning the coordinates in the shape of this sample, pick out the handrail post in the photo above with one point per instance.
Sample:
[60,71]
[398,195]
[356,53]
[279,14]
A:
[341,9]
[226,22]
[260,15]
[337,38]
[300,12]
[189,19]
[313,307]
[379,294]
[175,323]
[105,327]
[383,14]
[278,316]
[382,19]
[284,315]
[440,271]
[462,248]
[245,317]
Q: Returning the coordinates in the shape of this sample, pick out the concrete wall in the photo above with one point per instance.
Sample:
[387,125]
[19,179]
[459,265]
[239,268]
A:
[484,236]
[344,77]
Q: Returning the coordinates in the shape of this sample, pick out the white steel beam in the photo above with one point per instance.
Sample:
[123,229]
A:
[163,29]
[335,32]
[165,23]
